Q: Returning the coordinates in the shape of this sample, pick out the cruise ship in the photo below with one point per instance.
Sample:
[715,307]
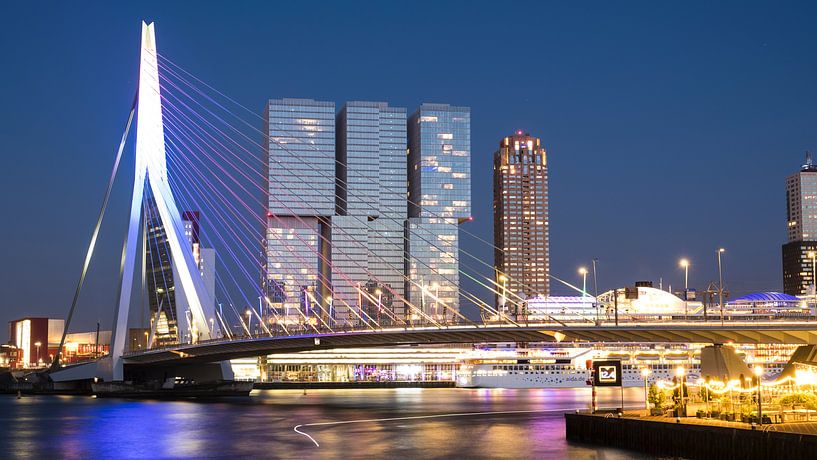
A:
[567,367]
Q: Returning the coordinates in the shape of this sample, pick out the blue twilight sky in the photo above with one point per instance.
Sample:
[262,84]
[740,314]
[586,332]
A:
[670,126]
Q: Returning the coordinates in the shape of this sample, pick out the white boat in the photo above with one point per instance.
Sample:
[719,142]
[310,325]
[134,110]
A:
[567,368]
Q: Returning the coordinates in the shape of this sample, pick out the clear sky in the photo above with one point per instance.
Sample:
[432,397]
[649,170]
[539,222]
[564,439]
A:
[670,126]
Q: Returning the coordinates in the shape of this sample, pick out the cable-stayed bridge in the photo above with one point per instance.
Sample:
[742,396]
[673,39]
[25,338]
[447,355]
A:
[200,200]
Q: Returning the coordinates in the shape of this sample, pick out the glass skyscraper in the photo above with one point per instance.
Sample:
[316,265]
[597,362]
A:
[341,237]
[367,232]
[439,182]
[301,166]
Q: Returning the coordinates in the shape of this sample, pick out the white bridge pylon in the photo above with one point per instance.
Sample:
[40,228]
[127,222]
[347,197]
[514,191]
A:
[151,171]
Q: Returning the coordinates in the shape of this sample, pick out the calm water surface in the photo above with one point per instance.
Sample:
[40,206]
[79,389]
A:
[263,425]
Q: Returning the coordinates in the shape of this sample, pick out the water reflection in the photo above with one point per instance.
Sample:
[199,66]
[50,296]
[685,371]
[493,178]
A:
[262,425]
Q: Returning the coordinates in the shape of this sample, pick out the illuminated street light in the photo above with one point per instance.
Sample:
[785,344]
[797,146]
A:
[645,373]
[684,263]
[680,372]
[758,371]
[583,272]
[504,280]
[38,344]
[720,281]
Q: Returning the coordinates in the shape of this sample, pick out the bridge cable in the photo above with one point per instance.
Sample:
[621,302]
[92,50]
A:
[89,253]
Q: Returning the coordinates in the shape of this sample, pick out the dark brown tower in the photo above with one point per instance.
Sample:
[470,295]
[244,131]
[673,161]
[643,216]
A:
[521,224]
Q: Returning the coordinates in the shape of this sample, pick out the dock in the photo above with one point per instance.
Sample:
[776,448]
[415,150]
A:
[694,438]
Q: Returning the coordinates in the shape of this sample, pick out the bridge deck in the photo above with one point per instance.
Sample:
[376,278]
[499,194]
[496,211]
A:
[218,350]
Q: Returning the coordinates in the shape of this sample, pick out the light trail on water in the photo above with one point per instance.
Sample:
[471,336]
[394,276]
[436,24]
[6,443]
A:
[423,417]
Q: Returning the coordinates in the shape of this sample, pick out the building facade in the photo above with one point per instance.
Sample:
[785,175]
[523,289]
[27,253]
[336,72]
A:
[368,272]
[167,310]
[439,183]
[300,136]
[801,228]
[36,340]
[343,244]
[521,224]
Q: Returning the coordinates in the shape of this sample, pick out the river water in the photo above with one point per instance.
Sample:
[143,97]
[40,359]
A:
[366,423]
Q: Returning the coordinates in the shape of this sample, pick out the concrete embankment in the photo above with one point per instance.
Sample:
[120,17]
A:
[695,438]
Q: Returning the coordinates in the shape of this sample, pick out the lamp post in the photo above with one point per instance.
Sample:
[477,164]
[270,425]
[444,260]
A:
[583,272]
[680,372]
[645,372]
[502,299]
[720,282]
[249,321]
[684,263]
[596,288]
[702,382]
[758,371]
[38,345]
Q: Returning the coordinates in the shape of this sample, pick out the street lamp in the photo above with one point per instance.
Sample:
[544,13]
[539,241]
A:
[680,372]
[249,321]
[583,272]
[645,372]
[702,382]
[684,263]
[502,299]
[720,282]
[758,371]
[38,344]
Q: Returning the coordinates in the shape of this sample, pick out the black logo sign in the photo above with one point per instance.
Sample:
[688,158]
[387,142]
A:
[607,373]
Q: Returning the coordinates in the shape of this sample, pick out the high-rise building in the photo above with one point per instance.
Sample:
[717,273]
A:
[801,226]
[368,271]
[521,252]
[301,166]
[439,181]
[165,307]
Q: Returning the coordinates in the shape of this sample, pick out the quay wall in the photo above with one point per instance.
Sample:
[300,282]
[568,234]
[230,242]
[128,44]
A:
[690,441]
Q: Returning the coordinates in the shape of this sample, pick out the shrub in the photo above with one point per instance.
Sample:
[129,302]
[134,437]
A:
[807,400]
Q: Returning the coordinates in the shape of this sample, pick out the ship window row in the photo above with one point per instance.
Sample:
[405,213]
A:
[534,368]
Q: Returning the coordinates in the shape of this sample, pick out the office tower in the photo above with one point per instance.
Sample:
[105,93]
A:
[521,220]
[367,230]
[439,180]
[167,309]
[801,226]
[301,167]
